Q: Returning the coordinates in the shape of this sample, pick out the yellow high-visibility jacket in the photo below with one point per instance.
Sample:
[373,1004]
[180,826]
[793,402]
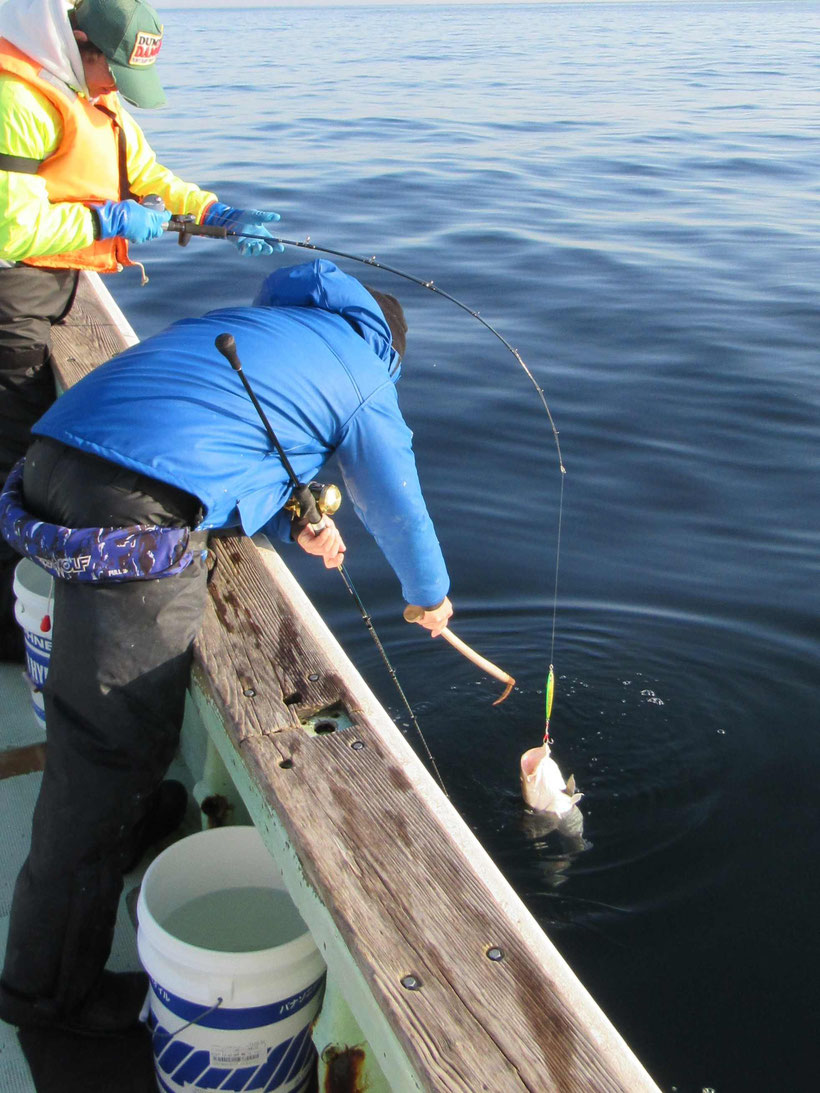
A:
[64,152]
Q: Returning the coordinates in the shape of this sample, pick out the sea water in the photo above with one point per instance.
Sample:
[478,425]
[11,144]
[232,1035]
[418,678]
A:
[628,193]
[237,920]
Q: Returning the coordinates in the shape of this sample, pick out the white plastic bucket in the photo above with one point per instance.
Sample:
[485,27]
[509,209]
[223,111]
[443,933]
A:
[34,611]
[226,1019]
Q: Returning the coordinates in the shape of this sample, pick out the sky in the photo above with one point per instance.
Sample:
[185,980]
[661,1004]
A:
[170,5]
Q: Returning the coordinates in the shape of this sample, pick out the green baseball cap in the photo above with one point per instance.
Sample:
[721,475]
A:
[129,34]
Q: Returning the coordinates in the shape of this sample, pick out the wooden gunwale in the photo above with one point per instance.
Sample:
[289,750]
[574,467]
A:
[398,875]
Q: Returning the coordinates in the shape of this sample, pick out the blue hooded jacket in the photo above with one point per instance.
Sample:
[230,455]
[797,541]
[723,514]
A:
[317,352]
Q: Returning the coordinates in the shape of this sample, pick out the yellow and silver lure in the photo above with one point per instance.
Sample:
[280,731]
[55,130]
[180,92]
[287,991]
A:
[542,783]
[550,697]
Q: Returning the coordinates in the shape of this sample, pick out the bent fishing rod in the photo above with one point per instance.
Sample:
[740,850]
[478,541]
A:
[186,226]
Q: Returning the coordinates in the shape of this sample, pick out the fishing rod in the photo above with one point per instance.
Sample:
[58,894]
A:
[185,226]
[306,244]
[305,503]
[313,501]
[431,286]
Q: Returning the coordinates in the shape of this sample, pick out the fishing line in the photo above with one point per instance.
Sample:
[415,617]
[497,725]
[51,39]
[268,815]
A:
[391,670]
[306,244]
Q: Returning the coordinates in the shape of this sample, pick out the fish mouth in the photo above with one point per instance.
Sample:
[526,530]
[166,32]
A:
[530,760]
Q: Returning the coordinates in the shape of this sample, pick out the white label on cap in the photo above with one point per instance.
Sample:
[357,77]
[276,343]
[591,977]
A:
[145,49]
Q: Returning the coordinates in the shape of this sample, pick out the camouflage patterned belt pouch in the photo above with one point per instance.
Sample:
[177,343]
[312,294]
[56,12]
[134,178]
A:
[94,555]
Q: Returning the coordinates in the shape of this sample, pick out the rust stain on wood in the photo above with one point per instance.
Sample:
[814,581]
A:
[217,810]
[221,609]
[345,799]
[551,1028]
[345,1070]
[398,824]
[25,760]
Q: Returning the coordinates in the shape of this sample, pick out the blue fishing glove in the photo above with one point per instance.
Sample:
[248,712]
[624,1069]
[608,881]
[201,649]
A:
[242,221]
[128,219]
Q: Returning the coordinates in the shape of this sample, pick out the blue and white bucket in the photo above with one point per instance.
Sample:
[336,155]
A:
[224,1015]
[34,611]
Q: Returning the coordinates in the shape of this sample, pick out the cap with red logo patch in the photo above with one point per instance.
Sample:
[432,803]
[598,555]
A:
[129,34]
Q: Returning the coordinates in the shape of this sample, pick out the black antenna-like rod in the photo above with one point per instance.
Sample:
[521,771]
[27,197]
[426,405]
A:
[226,344]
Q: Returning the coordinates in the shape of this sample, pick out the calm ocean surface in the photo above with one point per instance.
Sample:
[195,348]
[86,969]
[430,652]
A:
[629,193]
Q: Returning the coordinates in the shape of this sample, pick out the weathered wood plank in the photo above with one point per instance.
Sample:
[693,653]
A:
[266,659]
[408,887]
[94,331]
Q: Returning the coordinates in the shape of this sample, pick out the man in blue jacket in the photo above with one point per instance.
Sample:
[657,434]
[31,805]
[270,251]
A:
[165,435]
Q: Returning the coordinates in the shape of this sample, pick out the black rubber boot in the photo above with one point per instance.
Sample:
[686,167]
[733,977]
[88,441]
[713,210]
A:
[163,815]
[113,1007]
[12,642]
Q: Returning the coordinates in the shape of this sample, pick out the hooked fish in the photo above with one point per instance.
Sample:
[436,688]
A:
[543,785]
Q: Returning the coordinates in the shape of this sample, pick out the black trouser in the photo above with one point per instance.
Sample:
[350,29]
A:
[114,701]
[31,301]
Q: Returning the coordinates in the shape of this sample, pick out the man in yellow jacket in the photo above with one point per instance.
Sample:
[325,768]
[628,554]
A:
[73,166]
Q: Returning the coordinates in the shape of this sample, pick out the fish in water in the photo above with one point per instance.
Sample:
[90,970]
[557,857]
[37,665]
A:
[569,830]
[543,785]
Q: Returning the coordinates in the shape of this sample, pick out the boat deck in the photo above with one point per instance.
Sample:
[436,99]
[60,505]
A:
[50,1062]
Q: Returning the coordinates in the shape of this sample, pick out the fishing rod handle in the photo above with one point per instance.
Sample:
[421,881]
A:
[190,227]
[183,223]
[226,344]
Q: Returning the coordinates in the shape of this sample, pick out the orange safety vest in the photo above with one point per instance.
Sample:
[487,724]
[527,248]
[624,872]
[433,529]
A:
[88,166]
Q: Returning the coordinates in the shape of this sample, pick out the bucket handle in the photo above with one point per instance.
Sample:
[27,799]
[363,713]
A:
[196,1020]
